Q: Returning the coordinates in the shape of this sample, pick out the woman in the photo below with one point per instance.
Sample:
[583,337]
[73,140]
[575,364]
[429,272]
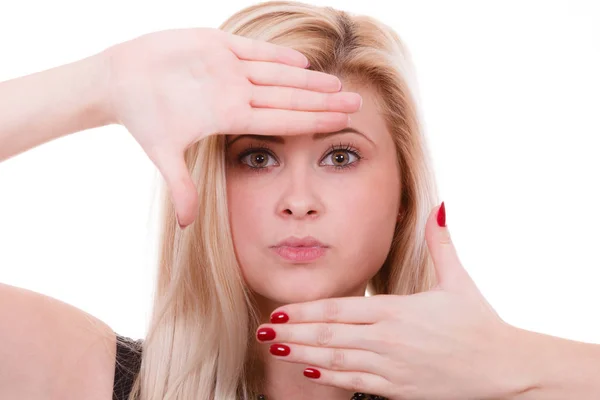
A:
[291,212]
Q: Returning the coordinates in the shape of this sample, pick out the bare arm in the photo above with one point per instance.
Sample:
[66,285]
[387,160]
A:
[43,106]
[52,350]
[558,368]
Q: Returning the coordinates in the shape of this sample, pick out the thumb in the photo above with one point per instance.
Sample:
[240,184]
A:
[183,191]
[449,271]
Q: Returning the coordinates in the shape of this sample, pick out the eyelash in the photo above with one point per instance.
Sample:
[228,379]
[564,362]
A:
[266,149]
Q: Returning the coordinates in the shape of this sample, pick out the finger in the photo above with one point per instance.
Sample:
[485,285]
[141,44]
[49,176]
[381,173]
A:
[362,382]
[330,358]
[345,310]
[273,74]
[267,121]
[449,270]
[183,191]
[298,99]
[260,50]
[335,335]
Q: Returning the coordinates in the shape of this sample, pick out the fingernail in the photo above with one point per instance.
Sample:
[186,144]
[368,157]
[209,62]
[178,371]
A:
[265,334]
[312,373]
[441,217]
[279,318]
[279,350]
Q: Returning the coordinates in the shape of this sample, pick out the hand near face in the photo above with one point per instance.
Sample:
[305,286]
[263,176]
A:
[447,343]
[172,88]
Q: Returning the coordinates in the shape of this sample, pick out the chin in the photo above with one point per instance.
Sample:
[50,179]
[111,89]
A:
[298,293]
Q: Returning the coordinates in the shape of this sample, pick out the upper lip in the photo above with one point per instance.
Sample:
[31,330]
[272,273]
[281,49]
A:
[307,241]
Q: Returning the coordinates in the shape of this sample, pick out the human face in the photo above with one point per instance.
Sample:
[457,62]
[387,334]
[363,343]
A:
[341,189]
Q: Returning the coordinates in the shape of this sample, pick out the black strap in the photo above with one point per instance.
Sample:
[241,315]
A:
[127,366]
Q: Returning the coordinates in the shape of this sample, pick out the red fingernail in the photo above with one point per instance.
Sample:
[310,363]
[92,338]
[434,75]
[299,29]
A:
[265,334]
[312,373]
[279,318]
[279,350]
[441,217]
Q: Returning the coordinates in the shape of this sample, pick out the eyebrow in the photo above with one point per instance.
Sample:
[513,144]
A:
[316,136]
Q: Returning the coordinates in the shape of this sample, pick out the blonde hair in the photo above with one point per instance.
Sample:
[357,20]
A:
[200,342]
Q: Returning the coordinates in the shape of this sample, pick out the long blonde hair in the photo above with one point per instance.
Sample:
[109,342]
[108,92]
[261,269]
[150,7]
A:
[200,342]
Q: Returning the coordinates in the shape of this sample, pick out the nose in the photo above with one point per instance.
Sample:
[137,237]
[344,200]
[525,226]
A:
[299,195]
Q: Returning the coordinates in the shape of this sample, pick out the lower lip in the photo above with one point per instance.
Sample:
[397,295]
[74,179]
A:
[300,253]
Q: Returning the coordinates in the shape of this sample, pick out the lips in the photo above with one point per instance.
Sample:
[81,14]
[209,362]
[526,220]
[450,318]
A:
[304,249]
[307,241]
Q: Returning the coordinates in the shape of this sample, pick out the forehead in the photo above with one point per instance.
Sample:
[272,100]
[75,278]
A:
[368,120]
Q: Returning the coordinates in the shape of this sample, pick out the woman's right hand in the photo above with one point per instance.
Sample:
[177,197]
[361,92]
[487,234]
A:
[172,88]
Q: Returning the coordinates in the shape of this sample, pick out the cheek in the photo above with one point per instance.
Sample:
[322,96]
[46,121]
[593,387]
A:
[367,218]
[370,198]
[249,215]
[247,206]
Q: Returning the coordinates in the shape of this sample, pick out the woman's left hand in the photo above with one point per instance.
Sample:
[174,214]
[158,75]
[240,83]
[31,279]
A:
[444,344]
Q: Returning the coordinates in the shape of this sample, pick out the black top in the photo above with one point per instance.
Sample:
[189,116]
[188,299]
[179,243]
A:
[127,365]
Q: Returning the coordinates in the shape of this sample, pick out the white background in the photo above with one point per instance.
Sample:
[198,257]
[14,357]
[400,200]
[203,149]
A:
[511,100]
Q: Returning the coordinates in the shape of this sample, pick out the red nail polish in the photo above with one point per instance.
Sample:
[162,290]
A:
[441,217]
[279,318]
[265,334]
[312,373]
[279,350]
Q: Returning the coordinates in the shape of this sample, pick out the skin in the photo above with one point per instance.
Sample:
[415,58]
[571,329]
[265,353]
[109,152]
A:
[553,367]
[299,192]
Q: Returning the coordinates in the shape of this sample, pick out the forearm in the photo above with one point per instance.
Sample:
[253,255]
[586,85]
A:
[558,368]
[43,106]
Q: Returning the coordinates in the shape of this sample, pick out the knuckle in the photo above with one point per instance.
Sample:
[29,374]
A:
[306,79]
[324,335]
[286,335]
[293,100]
[445,237]
[338,360]
[331,311]
[356,383]
[317,122]
[324,101]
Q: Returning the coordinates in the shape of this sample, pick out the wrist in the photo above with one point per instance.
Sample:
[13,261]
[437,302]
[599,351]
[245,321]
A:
[97,70]
[550,367]
[525,364]
[511,372]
